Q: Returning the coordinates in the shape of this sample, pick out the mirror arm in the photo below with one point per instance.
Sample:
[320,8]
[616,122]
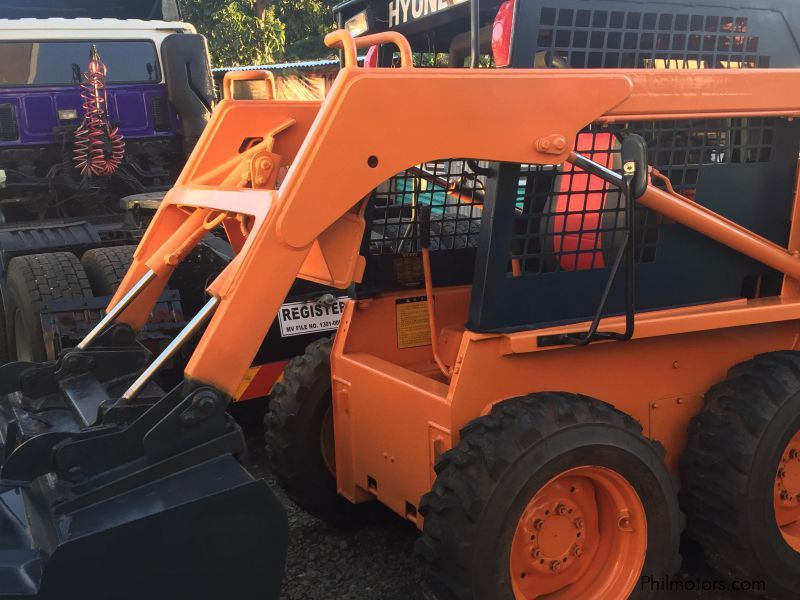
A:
[633,184]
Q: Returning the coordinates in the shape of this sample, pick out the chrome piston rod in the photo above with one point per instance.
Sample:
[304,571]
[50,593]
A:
[190,330]
[596,169]
[113,314]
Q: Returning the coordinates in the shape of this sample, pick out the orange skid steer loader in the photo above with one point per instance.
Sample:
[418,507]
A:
[529,417]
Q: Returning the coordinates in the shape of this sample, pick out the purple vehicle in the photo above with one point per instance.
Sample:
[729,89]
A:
[86,153]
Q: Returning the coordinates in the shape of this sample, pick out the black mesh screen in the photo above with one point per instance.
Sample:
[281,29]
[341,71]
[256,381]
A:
[588,38]
[570,221]
[452,191]
[160,109]
[679,149]
[8,123]
[567,220]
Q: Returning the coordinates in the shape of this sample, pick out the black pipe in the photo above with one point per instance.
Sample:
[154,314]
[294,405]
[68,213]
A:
[475,33]
[461,46]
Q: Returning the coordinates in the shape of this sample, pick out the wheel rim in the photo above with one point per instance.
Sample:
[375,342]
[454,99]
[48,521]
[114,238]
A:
[787,493]
[583,535]
[326,442]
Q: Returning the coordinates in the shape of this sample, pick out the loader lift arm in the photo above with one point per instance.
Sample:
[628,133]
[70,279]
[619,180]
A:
[312,229]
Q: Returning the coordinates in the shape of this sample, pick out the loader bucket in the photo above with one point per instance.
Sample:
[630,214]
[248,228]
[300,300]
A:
[100,501]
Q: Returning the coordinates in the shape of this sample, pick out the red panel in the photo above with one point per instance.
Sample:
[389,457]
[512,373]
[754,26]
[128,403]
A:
[501,34]
[579,207]
[262,383]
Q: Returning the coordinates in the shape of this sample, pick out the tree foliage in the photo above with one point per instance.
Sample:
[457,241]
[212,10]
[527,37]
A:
[306,22]
[253,32]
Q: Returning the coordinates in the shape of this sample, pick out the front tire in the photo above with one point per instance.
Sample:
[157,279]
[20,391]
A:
[741,474]
[552,493]
[299,437]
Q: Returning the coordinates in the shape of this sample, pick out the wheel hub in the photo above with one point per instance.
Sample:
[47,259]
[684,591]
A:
[787,493]
[584,531]
[788,478]
[556,539]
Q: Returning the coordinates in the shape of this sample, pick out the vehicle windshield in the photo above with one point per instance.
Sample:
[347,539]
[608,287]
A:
[63,62]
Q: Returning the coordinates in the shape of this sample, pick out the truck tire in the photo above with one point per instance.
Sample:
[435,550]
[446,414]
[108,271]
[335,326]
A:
[299,436]
[741,474]
[34,281]
[5,356]
[105,267]
[551,493]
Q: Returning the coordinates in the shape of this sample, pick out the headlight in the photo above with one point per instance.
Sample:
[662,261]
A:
[357,25]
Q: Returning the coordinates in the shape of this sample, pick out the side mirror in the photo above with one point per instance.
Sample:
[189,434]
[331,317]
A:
[634,161]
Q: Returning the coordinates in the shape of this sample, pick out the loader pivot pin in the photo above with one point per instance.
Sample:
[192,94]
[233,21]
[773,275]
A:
[113,314]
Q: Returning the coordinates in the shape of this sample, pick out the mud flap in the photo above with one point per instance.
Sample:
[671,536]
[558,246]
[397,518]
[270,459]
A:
[211,531]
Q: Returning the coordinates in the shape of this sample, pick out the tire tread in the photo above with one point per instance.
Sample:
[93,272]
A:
[467,473]
[719,457]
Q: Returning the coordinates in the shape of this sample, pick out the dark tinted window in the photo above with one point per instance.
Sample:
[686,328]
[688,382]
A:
[62,62]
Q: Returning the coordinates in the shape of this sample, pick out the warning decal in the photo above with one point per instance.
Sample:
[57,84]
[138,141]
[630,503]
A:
[300,318]
[412,322]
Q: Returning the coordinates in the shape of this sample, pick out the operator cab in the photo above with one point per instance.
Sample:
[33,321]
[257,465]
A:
[524,247]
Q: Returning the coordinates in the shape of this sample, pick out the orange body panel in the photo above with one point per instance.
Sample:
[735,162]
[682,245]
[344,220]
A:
[395,409]
[658,379]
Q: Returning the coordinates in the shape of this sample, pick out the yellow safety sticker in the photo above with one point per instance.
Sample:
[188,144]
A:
[412,322]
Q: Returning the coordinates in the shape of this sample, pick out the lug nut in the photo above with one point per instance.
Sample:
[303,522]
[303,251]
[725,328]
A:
[781,472]
[577,551]
[538,524]
[555,565]
[561,509]
[578,523]
[536,553]
[784,495]
[792,453]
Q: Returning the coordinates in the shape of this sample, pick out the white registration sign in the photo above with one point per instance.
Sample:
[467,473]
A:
[300,318]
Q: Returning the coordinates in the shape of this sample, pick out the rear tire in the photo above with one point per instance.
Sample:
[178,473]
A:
[106,267]
[299,437]
[5,354]
[33,282]
[500,522]
[732,489]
